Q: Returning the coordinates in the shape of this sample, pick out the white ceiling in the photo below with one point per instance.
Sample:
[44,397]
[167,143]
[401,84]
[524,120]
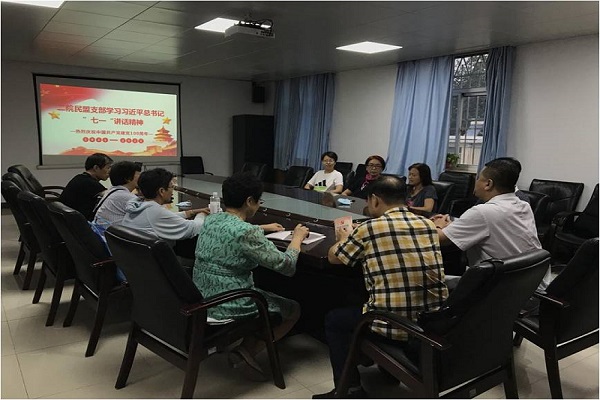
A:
[160,36]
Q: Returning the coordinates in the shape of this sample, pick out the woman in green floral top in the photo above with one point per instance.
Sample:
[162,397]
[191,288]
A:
[229,248]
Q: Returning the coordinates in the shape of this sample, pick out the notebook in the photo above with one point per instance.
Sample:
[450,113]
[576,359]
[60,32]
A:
[287,236]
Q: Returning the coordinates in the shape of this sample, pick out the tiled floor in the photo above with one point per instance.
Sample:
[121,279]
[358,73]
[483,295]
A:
[49,362]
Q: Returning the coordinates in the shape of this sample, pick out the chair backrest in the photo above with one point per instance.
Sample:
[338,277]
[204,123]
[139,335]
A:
[361,171]
[158,283]
[298,175]
[257,169]
[463,183]
[85,246]
[10,192]
[52,246]
[538,202]
[586,224]
[563,195]
[481,311]
[343,166]
[577,284]
[17,180]
[34,185]
[191,165]
[444,192]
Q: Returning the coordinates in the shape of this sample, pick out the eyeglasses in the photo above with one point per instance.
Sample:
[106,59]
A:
[328,162]
[374,166]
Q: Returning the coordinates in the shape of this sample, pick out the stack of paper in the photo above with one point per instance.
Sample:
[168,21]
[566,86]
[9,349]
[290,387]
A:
[287,236]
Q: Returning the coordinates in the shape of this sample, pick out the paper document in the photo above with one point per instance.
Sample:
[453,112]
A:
[343,222]
[287,236]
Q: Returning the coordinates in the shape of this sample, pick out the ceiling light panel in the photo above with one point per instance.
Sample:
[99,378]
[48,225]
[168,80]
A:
[40,3]
[217,25]
[368,47]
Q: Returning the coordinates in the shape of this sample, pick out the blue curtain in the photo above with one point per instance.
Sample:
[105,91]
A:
[303,113]
[499,70]
[420,119]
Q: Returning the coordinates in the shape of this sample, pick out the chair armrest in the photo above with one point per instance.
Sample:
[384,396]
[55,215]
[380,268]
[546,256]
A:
[53,187]
[406,325]
[564,218]
[546,298]
[221,298]
[208,173]
[104,264]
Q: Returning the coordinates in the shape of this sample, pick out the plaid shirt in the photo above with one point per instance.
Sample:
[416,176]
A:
[402,265]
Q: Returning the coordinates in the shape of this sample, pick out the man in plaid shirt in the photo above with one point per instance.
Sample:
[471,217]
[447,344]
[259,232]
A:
[400,256]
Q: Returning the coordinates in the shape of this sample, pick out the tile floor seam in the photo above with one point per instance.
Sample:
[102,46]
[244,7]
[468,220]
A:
[50,347]
[21,373]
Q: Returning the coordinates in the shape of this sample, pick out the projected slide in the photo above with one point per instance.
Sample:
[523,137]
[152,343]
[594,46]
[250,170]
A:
[79,121]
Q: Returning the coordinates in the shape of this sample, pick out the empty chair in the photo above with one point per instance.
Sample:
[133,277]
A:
[568,315]
[170,314]
[346,169]
[444,192]
[34,185]
[466,345]
[17,180]
[297,176]
[564,196]
[462,197]
[29,244]
[56,258]
[95,271]
[259,170]
[192,165]
[539,204]
[572,228]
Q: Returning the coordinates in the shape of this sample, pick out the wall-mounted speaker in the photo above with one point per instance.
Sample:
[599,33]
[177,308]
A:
[258,93]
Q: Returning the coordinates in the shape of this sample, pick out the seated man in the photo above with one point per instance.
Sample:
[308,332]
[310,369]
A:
[148,215]
[501,227]
[83,191]
[124,177]
[400,255]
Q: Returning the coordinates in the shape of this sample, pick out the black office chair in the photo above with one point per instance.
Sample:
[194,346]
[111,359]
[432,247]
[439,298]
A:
[538,202]
[297,176]
[29,243]
[259,170]
[568,315]
[192,165]
[465,346]
[48,192]
[170,314]
[462,197]
[57,259]
[345,168]
[564,196]
[17,180]
[94,268]
[570,229]
[444,192]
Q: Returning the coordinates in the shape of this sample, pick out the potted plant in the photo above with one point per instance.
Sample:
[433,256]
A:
[452,160]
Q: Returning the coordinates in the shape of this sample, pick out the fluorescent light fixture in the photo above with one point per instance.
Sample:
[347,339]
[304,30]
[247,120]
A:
[217,25]
[41,3]
[369,47]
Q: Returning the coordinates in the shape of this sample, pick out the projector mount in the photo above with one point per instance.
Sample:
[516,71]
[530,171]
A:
[262,28]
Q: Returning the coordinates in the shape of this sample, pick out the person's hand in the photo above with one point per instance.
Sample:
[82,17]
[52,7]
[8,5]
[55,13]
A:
[196,211]
[274,227]
[441,221]
[342,233]
[205,211]
[301,232]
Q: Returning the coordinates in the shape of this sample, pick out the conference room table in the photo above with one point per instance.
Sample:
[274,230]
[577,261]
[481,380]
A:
[317,285]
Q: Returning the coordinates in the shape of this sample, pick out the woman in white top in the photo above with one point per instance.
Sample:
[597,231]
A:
[327,179]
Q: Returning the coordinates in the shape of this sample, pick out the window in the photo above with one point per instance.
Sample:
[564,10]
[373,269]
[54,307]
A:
[467,109]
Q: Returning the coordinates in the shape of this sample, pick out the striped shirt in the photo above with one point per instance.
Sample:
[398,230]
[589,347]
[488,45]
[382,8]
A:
[402,265]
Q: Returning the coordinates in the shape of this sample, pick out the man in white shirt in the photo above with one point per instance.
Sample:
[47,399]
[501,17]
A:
[501,227]
[124,177]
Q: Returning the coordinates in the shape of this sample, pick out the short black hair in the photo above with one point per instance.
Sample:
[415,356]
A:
[152,180]
[424,173]
[99,159]
[238,187]
[391,189]
[504,172]
[123,171]
[329,154]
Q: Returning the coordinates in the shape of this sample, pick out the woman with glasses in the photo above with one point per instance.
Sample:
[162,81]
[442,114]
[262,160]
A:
[421,194]
[327,179]
[358,187]
[228,249]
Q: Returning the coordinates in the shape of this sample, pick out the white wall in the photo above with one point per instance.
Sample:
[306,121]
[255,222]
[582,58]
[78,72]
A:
[554,112]
[207,107]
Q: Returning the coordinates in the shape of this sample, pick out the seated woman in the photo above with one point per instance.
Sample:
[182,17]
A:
[328,178]
[229,248]
[358,187]
[421,193]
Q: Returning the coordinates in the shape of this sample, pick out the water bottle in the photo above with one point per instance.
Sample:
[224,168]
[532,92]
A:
[215,203]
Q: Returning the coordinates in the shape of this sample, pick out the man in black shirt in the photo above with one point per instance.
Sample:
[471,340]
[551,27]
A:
[84,190]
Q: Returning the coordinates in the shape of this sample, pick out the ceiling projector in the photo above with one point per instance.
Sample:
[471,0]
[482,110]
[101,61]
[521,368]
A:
[256,29]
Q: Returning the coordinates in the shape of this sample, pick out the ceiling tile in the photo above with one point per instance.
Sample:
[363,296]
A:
[86,18]
[134,37]
[152,28]
[120,44]
[170,17]
[113,8]
[109,51]
[61,37]
[148,57]
[75,29]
